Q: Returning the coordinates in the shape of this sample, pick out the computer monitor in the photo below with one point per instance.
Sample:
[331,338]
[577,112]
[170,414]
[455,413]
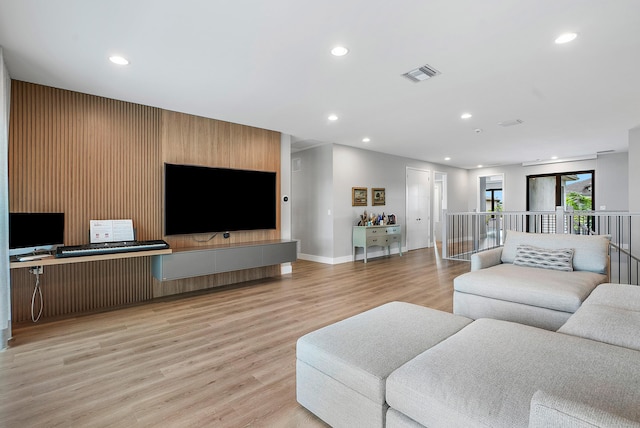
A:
[35,232]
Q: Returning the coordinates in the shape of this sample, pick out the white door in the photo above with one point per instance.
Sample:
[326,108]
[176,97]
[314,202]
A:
[439,203]
[418,224]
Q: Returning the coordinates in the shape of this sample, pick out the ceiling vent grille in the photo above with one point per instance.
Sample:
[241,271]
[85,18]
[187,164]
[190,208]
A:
[513,122]
[421,73]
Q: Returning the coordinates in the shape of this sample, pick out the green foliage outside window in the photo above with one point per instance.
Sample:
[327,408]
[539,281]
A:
[578,201]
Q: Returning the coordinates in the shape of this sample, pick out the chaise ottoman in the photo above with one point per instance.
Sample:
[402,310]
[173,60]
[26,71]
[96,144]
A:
[341,369]
[487,374]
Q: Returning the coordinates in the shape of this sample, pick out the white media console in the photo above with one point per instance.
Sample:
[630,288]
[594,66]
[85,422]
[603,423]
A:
[199,261]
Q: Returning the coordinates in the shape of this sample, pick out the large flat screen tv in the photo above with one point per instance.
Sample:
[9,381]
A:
[201,199]
[34,232]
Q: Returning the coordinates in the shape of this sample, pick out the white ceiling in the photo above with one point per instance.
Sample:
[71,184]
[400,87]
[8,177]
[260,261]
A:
[266,63]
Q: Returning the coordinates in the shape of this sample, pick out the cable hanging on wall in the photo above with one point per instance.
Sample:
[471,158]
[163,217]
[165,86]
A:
[37,291]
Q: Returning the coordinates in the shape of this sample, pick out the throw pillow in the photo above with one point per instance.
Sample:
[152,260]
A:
[545,258]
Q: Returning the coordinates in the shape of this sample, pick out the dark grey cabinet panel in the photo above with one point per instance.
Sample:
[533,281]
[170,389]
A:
[211,260]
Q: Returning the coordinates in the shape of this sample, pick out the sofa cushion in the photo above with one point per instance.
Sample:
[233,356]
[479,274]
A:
[361,351]
[590,253]
[486,375]
[476,307]
[561,291]
[611,314]
[550,411]
[623,296]
[545,258]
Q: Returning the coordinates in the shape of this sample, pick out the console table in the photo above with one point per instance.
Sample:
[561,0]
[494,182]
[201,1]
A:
[370,236]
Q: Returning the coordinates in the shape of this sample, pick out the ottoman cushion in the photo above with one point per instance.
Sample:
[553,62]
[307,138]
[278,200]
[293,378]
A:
[361,351]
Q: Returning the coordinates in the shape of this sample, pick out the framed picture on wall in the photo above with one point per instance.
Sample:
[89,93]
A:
[359,196]
[377,196]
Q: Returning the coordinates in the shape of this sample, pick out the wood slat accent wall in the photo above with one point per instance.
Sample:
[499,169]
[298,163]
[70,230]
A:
[97,158]
[193,140]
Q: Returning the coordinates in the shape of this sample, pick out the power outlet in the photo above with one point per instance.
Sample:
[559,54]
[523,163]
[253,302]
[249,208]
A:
[36,270]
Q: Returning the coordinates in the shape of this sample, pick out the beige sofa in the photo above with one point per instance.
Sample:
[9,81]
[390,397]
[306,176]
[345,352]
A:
[535,279]
[407,366]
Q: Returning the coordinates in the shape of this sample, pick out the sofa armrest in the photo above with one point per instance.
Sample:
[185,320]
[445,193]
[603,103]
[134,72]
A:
[551,411]
[485,259]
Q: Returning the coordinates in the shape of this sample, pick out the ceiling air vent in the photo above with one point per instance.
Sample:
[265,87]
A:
[513,122]
[422,73]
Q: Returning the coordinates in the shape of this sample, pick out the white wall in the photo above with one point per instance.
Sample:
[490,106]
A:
[612,182]
[611,178]
[5,289]
[311,202]
[327,237]
[285,191]
[323,217]
[634,170]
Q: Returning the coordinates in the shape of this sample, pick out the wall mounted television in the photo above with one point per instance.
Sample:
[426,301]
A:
[200,199]
[35,232]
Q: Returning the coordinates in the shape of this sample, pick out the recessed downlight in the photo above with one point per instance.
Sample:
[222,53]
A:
[119,60]
[554,157]
[366,139]
[466,116]
[339,51]
[565,38]
[447,158]
[479,166]
[332,117]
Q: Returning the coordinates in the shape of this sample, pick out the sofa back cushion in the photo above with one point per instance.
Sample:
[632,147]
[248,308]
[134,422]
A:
[590,253]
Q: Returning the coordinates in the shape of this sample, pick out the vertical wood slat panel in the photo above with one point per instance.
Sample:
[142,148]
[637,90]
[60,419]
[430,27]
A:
[96,158]
[91,158]
[196,140]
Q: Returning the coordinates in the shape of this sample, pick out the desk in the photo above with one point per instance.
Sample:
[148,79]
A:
[50,261]
[65,293]
[370,236]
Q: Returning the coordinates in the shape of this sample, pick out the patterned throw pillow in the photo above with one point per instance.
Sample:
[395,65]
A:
[545,258]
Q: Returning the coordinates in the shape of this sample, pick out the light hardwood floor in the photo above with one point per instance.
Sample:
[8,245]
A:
[224,358]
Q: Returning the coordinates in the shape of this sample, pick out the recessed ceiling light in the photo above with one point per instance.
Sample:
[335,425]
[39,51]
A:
[465,115]
[118,60]
[565,38]
[366,139]
[554,157]
[479,166]
[332,117]
[339,51]
[447,158]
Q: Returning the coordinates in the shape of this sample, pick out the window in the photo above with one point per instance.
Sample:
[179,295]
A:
[570,190]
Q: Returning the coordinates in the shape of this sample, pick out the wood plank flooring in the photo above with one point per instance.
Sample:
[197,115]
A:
[223,358]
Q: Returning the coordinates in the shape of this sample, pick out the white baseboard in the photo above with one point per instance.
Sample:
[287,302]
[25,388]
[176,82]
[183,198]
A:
[347,259]
[317,259]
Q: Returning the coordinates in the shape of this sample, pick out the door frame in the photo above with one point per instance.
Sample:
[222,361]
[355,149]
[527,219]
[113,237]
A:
[481,192]
[443,201]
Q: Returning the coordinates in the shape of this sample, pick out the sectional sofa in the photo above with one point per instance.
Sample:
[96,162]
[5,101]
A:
[534,279]
[403,365]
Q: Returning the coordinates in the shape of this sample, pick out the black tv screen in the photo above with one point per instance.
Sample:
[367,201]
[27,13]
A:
[201,199]
[30,232]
